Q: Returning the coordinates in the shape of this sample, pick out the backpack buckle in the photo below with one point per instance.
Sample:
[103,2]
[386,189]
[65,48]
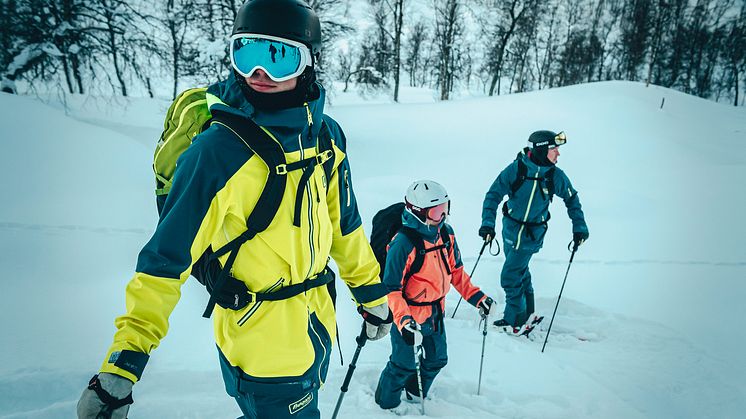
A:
[252,296]
[281,169]
[324,157]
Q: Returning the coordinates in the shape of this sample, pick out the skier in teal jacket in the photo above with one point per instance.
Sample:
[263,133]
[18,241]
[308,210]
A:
[530,182]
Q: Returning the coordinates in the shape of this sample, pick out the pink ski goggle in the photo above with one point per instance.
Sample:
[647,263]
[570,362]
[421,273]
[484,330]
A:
[439,212]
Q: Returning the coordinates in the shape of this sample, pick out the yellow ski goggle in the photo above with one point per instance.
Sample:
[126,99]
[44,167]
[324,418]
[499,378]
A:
[560,139]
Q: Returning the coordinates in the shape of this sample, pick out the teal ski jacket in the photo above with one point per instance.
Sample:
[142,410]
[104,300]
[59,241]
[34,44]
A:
[526,212]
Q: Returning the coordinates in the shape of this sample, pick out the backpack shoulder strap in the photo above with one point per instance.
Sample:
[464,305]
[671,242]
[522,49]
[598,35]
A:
[419,255]
[549,181]
[446,236]
[269,201]
[520,178]
[271,152]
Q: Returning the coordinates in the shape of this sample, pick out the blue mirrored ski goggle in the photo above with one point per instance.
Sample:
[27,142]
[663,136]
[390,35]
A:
[282,59]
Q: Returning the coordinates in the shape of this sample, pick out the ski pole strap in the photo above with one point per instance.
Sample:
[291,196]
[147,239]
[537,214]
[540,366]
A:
[112,402]
[498,247]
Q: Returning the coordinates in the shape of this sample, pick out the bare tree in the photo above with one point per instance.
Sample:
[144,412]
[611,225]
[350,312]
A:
[507,16]
[544,46]
[449,33]
[413,63]
[734,51]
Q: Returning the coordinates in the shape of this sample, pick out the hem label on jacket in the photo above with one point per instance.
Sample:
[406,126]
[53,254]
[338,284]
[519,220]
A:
[300,404]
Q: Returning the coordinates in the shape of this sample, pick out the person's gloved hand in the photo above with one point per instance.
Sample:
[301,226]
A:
[487,233]
[578,238]
[107,396]
[411,334]
[485,306]
[378,320]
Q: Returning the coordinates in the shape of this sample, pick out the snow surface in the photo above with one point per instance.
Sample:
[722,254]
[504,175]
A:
[648,326]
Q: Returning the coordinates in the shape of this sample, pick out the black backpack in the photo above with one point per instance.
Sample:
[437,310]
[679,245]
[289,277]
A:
[546,182]
[386,223]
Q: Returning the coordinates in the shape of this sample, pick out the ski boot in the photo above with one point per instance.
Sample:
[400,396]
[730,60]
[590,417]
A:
[511,330]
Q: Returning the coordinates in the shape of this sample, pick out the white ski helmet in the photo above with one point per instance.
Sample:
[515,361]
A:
[424,195]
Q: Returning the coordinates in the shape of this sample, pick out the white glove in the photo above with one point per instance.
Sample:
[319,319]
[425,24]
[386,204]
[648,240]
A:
[111,389]
[378,320]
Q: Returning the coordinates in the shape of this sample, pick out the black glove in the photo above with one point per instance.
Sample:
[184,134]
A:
[411,333]
[578,238]
[487,233]
[485,306]
[107,396]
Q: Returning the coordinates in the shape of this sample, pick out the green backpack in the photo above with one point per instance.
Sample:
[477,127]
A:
[187,116]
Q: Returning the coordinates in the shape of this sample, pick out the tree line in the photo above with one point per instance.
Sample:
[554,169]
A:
[492,46]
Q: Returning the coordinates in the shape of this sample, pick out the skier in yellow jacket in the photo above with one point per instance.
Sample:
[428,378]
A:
[275,341]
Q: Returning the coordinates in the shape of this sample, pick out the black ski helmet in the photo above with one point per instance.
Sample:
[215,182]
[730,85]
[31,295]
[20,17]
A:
[289,19]
[541,141]
[546,139]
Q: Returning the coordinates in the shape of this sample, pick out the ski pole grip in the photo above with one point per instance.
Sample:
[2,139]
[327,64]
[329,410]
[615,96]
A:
[484,246]
[362,338]
[348,378]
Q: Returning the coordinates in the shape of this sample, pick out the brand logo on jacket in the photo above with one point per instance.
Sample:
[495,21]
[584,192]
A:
[300,404]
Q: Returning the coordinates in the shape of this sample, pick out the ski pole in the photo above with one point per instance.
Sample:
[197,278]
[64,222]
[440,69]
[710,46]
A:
[417,350]
[481,362]
[345,384]
[484,246]
[558,299]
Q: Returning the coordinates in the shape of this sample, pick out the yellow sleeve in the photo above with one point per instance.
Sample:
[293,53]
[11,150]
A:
[190,217]
[350,248]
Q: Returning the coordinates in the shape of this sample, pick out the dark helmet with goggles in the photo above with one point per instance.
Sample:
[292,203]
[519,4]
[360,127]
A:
[289,19]
[281,37]
[546,139]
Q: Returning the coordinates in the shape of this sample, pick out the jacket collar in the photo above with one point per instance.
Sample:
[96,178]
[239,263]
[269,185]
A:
[530,165]
[227,96]
[429,233]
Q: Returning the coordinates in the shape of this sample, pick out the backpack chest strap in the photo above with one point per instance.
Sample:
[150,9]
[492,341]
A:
[308,165]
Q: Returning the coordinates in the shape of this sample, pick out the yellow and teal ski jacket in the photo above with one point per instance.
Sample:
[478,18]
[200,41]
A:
[216,185]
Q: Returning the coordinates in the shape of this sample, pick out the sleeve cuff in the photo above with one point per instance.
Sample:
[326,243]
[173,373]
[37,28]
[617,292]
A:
[368,293]
[476,298]
[405,319]
[129,364]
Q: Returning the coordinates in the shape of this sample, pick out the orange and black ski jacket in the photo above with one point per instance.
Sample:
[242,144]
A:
[421,296]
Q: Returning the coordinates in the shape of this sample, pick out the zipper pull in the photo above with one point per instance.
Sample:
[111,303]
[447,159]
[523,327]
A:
[308,113]
[310,124]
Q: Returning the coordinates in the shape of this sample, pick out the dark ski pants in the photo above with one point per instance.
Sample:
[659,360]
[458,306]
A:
[298,400]
[515,280]
[400,371]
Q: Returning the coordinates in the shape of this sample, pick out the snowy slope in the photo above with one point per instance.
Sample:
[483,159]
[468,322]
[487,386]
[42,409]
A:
[648,324]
